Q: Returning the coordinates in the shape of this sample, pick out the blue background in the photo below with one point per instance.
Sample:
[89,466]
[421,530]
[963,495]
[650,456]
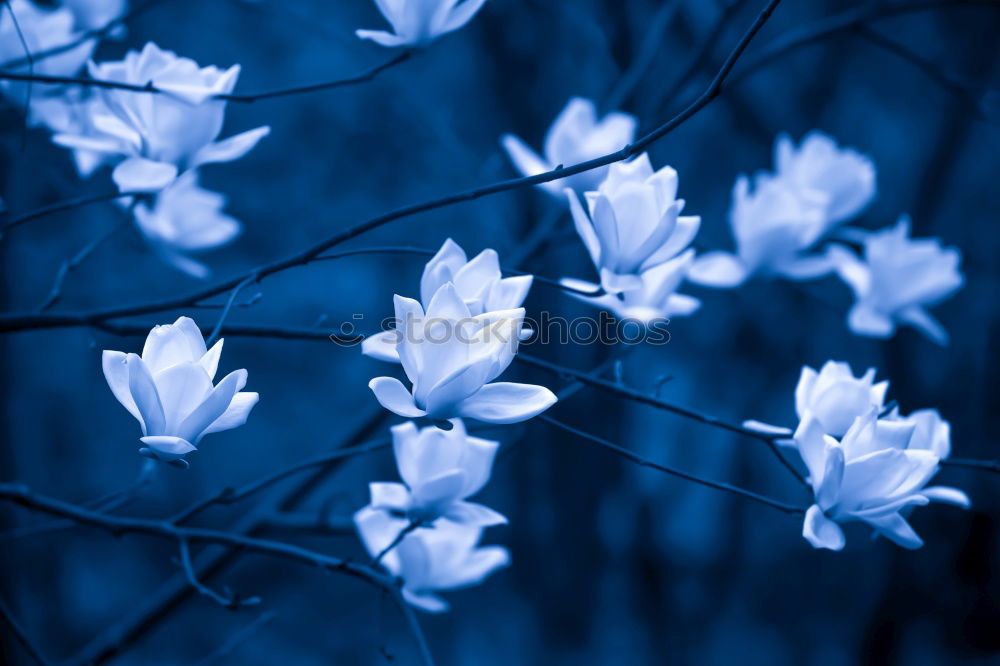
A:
[612,564]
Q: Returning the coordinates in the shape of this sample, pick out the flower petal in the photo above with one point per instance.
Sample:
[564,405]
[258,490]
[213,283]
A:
[137,174]
[822,532]
[392,395]
[229,149]
[381,346]
[236,414]
[507,402]
[166,447]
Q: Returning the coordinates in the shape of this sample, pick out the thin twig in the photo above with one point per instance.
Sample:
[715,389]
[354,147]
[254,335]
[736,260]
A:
[403,533]
[57,207]
[239,637]
[414,624]
[644,59]
[969,463]
[231,601]
[70,265]
[149,88]
[19,322]
[645,462]
[228,307]
[22,638]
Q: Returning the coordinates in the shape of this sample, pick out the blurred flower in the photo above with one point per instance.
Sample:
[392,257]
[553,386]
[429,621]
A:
[184,218]
[871,475]
[835,397]
[478,282]
[70,112]
[815,188]
[634,223]
[654,301]
[444,556]
[43,29]
[450,357]
[162,135]
[441,469]
[420,22]
[95,14]
[576,136]
[169,390]
[897,280]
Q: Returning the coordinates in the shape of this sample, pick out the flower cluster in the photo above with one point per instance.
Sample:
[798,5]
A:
[452,344]
[169,390]
[866,462]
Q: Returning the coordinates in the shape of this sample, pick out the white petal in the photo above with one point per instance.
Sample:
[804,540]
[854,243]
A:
[947,495]
[237,413]
[144,392]
[392,395]
[526,160]
[822,532]
[180,342]
[461,15]
[210,360]
[230,149]
[507,402]
[718,269]
[584,227]
[386,496]
[924,322]
[895,528]
[381,346]
[138,174]
[115,365]
[470,513]
[766,428]
[425,601]
[212,407]
[167,448]
[382,37]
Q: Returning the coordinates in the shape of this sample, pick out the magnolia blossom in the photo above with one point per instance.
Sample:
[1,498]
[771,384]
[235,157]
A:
[777,221]
[161,135]
[450,357]
[478,282]
[877,470]
[440,468]
[43,29]
[576,136]
[656,300]
[633,223]
[897,279]
[930,431]
[169,390]
[445,556]
[836,398]
[420,22]
[183,218]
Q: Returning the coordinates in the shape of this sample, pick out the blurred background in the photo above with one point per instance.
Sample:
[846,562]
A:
[612,564]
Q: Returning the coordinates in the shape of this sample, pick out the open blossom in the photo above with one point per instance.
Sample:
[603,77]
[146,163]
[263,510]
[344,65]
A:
[777,221]
[445,556]
[897,280]
[835,397]
[420,22]
[43,28]
[478,282]
[656,300]
[877,470]
[450,358]
[440,468]
[184,218]
[632,222]
[169,390]
[161,135]
[576,135]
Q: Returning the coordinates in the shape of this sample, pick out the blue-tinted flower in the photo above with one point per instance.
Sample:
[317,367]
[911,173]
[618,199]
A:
[444,556]
[185,218]
[451,358]
[871,475]
[576,135]
[836,398]
[169,390]
[441,469]
[420,22]
[786,213]
[162,135]
[478,282]
[632,223]
[897,280]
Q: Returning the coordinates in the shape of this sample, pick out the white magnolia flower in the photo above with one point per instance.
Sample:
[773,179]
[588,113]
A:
[440,468]
[450,357]
[656,300]
[169,390]
[70,112]
[776,222]
[162,135]
[576,136]
[835,397]
[184,218]
[43,29]
[420,22]
[871,475]
[634,222]
[931,432]
[95,14]
[445,556]
[897,280]
[479,283]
